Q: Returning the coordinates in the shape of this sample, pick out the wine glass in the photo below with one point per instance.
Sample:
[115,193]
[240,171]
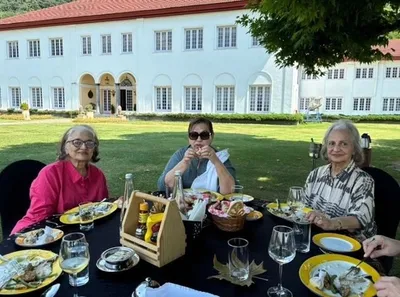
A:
[74,258]
[282,249]
[296,198]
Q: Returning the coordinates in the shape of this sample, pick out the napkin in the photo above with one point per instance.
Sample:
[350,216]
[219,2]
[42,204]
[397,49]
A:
[173,290]
[198,211]
[8,270]
[48,232]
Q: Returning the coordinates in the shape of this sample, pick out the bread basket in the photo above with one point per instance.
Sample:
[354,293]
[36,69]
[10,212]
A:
[229,224]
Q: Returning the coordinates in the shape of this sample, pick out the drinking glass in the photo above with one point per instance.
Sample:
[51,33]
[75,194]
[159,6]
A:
[296,198]
[282,249]
[74,259]
[238,258]
[86,216]
[237,191]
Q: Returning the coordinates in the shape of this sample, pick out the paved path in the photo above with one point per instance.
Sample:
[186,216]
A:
[49,121]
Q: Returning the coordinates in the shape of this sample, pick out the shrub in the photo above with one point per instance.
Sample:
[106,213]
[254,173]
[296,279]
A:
[24,106]
[89,108]
[112,109]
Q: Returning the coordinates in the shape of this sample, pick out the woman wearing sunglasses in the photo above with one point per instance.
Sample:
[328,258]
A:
[71,180]
[200,164]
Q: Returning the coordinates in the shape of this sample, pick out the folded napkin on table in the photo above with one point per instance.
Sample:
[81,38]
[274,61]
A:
[48,235]
[172,290]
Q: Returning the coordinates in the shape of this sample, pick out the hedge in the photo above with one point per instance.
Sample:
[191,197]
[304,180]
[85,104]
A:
[55,113]
[363,118]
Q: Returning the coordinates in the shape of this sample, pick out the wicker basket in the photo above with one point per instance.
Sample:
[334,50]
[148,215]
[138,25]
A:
[229,224]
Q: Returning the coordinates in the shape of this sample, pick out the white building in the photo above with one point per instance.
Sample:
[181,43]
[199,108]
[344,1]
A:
[161,56]
[165,56]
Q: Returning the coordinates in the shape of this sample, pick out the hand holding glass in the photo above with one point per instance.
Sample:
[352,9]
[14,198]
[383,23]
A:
[74,257]
[282,249]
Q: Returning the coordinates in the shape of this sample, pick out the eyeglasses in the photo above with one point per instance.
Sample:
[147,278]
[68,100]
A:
[203,135]
[90,144]
[341,144]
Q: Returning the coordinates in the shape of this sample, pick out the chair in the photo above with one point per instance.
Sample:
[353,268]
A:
[15,182]
[387,206]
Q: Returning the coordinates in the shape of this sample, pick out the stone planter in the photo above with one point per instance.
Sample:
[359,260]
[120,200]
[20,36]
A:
[26,114]
[90,114]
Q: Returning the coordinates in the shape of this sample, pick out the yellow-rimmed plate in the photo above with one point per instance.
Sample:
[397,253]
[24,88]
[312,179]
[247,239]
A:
[254,215]
[72,216]
[336,242]
[56,269]
[336,264]
[246,198]
[285,213]
[213,195]
[21,238]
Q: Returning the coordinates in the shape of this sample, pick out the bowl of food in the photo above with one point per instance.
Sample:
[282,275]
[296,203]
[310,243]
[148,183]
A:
[119,258]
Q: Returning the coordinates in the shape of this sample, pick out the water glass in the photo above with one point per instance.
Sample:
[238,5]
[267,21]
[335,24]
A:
[237,191]
[302,236]
[281,249]
[238,258]
[296,198]
[74,259]
[86,216]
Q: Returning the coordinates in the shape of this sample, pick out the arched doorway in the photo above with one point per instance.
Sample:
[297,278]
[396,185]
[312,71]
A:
[127,92]
[87,90]
[107,93]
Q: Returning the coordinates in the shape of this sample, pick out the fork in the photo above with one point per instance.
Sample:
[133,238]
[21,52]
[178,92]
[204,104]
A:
[359,263]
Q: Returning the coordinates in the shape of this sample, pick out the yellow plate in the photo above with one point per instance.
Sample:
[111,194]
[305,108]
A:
[69,217]
[214,195]
[34,252]
[273,209]
[254,215]
[336,242]
[246,198]
[336,264]
[20,240]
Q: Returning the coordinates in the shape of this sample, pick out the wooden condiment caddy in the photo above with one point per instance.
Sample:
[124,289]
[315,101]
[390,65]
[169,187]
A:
[171,240]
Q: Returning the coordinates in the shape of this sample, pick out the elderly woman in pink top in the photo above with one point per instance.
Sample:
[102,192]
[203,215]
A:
[70,180]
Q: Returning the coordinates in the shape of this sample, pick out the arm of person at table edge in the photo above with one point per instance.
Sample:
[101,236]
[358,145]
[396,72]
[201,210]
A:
[359,215]
[43,193]
[181,161]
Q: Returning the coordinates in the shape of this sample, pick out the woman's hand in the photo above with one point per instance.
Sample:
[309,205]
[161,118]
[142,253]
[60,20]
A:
[319,219]
[388,247]
[189,155]
[207,152]
[388,287]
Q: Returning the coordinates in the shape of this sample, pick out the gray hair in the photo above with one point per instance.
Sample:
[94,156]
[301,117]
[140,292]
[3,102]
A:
[62,154]
[345,125]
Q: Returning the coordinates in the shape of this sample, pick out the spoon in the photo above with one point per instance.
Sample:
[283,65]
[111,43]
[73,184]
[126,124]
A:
[50,292]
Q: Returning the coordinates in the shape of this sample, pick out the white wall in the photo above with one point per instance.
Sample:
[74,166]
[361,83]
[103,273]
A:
[350,87]
[243,63]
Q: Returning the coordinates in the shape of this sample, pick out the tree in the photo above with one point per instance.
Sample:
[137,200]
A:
[10,8]
[318,34]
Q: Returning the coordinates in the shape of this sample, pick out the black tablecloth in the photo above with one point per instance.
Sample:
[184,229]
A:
[191,270]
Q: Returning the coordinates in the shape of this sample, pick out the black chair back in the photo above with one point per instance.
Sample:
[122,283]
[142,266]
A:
[387,206]
[15,182]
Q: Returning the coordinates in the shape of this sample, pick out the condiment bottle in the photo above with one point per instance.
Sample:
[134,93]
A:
[143,215]
[177,193]
[125,199]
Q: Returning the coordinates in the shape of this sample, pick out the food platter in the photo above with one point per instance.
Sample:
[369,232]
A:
[39,237]
[284,211]
[101,210]
[201,194]
[40,268]
[245,198]
[325,274]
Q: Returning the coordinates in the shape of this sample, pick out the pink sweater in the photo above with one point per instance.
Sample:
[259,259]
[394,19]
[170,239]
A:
[58,188]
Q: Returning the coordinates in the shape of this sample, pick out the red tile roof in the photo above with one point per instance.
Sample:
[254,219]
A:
[89,11]
[393,48]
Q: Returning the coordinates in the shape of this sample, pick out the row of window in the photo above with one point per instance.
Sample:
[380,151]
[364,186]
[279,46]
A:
[226,38]
[260,97]
[391,72]
[359,104]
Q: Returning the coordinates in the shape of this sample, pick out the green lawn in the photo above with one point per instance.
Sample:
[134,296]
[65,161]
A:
[268,158]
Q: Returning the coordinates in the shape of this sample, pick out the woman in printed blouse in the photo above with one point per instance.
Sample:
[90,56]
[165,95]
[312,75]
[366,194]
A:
[71,180]
[195,161]
[342,194]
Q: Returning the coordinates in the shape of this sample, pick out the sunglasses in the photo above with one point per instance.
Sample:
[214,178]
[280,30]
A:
[203,135]
[90,144]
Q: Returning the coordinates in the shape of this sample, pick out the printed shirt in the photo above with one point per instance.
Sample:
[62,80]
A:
[58,188]
[350,193]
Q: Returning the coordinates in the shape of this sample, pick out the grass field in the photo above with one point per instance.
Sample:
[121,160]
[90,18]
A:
[268,158]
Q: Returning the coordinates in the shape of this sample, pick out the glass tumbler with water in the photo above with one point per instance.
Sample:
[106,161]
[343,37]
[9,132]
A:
[237,193]
[86,216]
[74,258]
[238,258]
[282,250]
